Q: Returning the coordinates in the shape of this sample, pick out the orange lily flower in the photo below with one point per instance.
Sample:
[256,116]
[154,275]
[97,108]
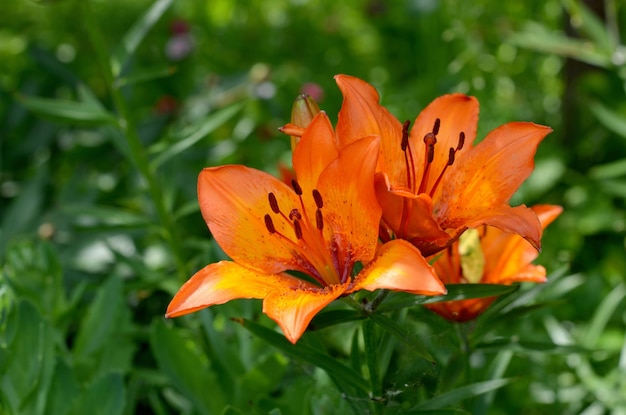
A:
[433,184]
[498,258]
[321,226]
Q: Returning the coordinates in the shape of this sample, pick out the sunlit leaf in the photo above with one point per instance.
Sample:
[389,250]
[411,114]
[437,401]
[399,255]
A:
[609,118]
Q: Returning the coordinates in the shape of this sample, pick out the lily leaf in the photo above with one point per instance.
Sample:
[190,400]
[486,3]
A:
[400,332]
[609,118]
[207,126]
[332,317]
[135,35]
[83,113]
[455,396]
[397,300]
[308,354]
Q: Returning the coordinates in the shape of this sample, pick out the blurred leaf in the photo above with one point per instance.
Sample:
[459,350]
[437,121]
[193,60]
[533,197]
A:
[397,300]
[525,346]
[332,317]
[453,397]
[103,343]
[135,35]
[105,396]
[589,23]
[609,118]
[187,369]
[536,36]
[602,315]
[496,370]
[145,76]
[64,389]
[609,170]
[108,217]
[24,211]
[310,355]
[28,350]
[201,130]
[401,333]
[73,112]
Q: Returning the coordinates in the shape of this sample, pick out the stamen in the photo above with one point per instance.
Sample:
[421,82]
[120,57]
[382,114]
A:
[296,187]
[436,126]
[269,224]
[430,140]
[405,135]
[451,157]
[461,141]
[318,199]
[297,229]
[319,219]
[273,202]
[295,215]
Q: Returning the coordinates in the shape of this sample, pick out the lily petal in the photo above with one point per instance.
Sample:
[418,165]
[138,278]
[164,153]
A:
[315,151]
[351,209]
[457,113]
[234,201]
[399,266]
[224,281]
[294,309]
[487,176]
[362,115]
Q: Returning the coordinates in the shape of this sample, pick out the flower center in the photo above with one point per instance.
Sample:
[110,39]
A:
[308,245]
[430,140]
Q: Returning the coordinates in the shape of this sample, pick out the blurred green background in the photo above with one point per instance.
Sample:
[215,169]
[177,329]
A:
[109,110]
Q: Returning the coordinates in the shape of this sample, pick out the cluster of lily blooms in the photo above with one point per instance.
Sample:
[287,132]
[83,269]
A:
[372,204]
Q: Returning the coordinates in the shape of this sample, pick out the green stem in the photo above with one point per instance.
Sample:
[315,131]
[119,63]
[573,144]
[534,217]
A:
[466,351]
[137,151]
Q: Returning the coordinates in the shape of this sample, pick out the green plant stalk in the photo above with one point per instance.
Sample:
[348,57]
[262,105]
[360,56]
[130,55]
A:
[371,353]
[137,151]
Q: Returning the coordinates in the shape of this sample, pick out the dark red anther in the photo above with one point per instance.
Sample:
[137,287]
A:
[269,224]
[296,187]
[319,219]
[451,157]
[295,215]
[318,199]
[430,140]
[273,202]
[461,141]
[297,229]
[405,135]
[436,126]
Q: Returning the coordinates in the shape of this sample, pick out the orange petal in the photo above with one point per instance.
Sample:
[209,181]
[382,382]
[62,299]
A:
[481,182]
[293,309]
[399,266]
[234,201]
[361,115]
[350,209]
[457,113]
[315,151]
[419,226]
[224,281]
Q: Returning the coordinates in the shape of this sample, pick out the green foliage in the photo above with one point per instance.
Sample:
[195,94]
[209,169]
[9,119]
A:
[108,112]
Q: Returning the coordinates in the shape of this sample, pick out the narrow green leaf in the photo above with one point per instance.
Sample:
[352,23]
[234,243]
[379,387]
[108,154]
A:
[455,396]
[609,170]
[332,317]
[105,396]
[609,118]
[135,35]
[602,315]
[398,300]
[207,126]
[144,76]
[187,368]
[73,112]
[308,354]
[401,333]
